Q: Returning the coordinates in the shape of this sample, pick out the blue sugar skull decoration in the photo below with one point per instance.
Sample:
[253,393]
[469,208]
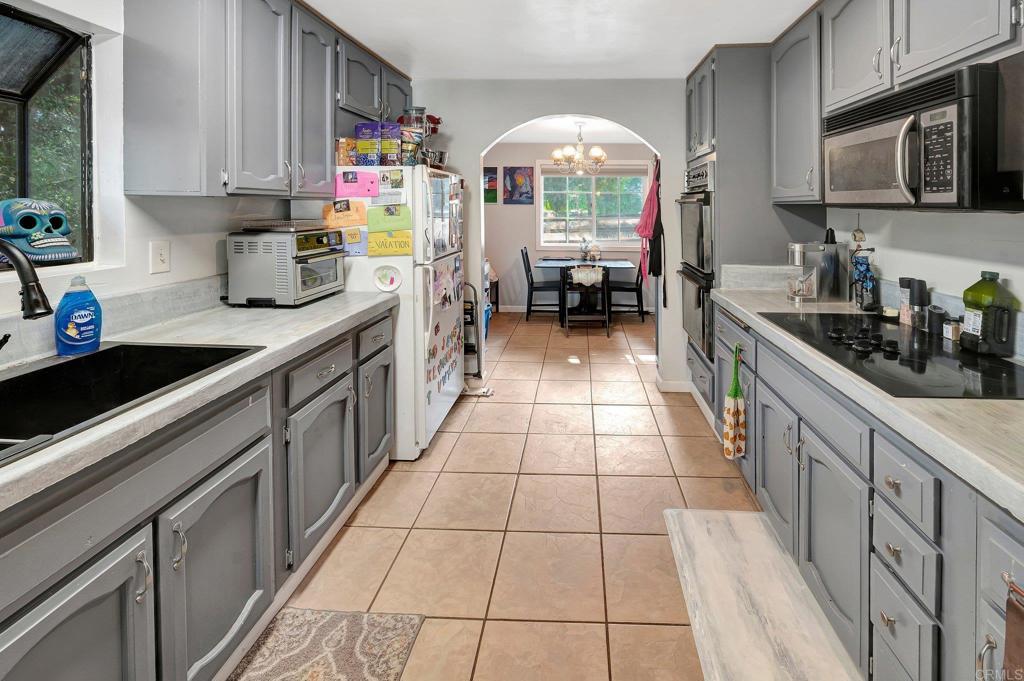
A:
[39,229]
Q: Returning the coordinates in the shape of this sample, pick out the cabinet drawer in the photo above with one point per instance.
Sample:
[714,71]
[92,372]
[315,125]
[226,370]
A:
[1000,549]
[319,372]
[907,554]
[703,377]
[910,488]
[901,624]
[847,434]
[730,333]
[887,667]
[374,338]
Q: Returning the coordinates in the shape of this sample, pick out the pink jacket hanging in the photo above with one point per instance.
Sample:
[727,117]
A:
[648,218]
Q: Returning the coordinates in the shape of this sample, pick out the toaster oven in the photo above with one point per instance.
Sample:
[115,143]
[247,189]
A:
[284,268]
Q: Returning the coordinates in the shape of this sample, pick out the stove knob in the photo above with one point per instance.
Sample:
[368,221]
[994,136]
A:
[862,346]
[837,333]
[876,339]
[891,346]
[863,332]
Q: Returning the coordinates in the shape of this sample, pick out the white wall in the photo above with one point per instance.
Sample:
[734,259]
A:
[509,228]
[478,112]
[948,250]
[123,227]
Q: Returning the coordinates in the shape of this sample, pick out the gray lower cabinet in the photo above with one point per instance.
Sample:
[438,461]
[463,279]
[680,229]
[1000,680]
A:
[313,64]
[723,382]
[855,40]
[376,411]
[259,96]
[215,574]
[796,113]
[359,80]
[777,481]
[397,95]
[835,539]
[321,445]
[931,34]
[1000,557]
[98,627]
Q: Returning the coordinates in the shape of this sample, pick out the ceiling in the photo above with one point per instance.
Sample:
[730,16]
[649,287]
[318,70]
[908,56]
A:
[562,130]
[533,39]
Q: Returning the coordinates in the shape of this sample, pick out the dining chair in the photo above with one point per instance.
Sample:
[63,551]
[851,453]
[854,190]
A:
[586,310]
[636,288]
[533,286]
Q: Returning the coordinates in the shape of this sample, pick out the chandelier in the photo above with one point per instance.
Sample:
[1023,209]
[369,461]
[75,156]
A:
[571,159]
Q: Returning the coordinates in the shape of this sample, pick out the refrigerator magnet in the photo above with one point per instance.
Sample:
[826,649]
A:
[355,184]
[387,278]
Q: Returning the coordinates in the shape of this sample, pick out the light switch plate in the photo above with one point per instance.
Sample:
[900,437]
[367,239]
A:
[159,257]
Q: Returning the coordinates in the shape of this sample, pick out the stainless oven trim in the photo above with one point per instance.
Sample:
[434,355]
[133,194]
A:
[953,113]
[872,133]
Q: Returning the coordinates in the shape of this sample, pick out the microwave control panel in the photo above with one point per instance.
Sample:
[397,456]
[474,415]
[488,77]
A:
[939,155]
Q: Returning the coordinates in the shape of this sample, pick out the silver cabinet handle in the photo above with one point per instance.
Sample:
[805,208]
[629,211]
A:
[147,580]
[702,378]
[179,532]
[807,179]
[986,648]
[369,387]
[876,62]
[719,329]
[893,484]
[787,439]
[894,52]
[378,338]
[324,373]
[288,174]
[800,454]
[352,396]
[302,176]
[894,551]
[885,620]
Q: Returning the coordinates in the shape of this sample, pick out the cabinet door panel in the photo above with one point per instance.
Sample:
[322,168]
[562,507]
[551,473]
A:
[796,114]
[376,411]
[359,80]
[691,119]
[776,488]
[216,566]
[748,463]
[934,33]
[856,35]
[834,539]
[321,464]
[258,126]
[704,96]
[312,107]
[98,627]
[397,95]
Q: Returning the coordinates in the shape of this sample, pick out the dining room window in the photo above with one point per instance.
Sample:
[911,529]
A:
[603,208]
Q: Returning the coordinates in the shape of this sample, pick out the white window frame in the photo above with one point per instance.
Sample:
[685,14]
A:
[607,245]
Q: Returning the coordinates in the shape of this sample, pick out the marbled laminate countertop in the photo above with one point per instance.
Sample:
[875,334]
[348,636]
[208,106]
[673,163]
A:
[981,441]
[285,333]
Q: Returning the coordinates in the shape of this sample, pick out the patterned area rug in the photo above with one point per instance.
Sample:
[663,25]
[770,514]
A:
[323,645]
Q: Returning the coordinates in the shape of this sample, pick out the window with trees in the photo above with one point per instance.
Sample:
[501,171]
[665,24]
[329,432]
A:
[603,208]
[45,135]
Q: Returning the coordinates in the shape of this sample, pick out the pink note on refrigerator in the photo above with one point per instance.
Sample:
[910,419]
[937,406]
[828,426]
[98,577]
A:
[355,183]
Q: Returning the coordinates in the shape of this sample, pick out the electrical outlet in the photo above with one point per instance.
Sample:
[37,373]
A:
[159,257]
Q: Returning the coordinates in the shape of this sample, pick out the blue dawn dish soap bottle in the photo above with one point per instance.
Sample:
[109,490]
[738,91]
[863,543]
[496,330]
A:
[79,320]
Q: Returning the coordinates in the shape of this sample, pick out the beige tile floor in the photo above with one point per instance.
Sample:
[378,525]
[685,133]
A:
[530,534]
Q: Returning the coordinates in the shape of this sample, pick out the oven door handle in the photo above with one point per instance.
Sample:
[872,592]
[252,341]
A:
[902,144]
[333,255]
[700,279]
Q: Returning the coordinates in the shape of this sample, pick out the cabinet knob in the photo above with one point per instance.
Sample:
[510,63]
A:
[893,484]
[885,620]
[894,551]
[147,580]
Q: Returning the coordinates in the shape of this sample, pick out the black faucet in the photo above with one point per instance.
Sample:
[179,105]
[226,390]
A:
[33,299]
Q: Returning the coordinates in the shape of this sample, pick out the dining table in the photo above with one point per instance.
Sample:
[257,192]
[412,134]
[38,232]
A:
[564,264]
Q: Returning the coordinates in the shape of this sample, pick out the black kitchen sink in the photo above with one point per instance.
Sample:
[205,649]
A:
[58,396]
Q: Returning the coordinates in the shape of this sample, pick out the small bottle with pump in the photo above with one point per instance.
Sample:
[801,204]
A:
[78,320]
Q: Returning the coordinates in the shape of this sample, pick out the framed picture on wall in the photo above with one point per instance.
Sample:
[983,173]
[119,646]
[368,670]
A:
[518,185]
[490,184]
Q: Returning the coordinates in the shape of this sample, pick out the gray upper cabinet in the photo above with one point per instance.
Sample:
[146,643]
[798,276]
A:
[359,80]
[931,34]
[796,114]
[835,540]
[376,411]
[321,464]
[259,96]
[99,626]
[397,95]
[215,574]
[855,40]
[777,482]
[312,112]
[700,110]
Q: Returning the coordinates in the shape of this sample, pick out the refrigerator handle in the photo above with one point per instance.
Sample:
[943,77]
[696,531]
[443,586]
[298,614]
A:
[428,231]
[429,295]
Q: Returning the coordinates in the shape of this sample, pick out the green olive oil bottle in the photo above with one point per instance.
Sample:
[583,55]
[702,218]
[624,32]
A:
[989,317]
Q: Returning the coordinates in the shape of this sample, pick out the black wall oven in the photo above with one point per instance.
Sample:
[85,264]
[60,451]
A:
[955,142]
[697,207]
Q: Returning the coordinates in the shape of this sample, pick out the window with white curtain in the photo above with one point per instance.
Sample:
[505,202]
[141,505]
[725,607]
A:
[603,208]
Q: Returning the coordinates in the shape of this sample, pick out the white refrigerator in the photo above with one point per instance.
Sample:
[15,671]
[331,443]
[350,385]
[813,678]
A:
[429,336]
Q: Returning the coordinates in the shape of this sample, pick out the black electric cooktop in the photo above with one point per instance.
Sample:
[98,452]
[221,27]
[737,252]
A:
[901,361]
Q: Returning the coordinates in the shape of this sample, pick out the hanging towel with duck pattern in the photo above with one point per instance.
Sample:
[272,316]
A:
[734,414]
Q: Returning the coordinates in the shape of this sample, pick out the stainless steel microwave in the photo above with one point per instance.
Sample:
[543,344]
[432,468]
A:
[956,142]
